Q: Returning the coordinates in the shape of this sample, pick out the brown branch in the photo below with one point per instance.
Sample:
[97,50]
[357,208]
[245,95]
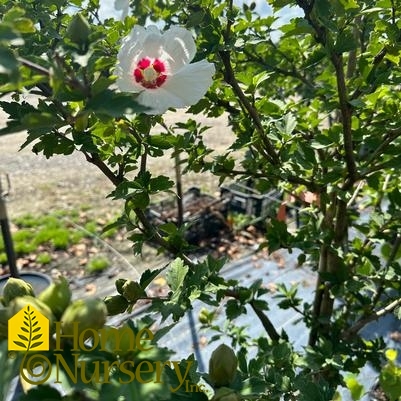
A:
[293,179]
[374,316]
[33,66]
[352,57]
[393,134]
[346,115]
[229,77]
[156,236]
[231,80]
[266,322]
[94,159]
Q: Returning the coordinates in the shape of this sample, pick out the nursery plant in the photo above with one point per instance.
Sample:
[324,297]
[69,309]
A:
[314,103]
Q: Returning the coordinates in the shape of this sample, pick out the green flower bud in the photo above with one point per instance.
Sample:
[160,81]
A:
[225,394]
[21,302]
[88,313]
[4,316]
[81,122]
[205,316]
[120,341]
[16,287]
[119,285]
[222,366]
[78,30]
[57,296]
[132,291]
[116,304]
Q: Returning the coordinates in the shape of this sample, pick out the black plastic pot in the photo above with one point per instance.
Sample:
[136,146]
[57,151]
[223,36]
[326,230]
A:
[38,281]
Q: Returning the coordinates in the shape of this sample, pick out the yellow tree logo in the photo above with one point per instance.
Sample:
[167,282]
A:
[28,330]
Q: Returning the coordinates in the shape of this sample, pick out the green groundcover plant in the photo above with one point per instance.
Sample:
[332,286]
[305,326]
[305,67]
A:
[314,103]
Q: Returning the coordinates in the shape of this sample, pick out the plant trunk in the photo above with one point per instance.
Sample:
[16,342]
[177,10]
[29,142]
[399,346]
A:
[335,222]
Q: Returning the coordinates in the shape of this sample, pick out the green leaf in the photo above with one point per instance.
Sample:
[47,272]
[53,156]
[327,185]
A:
[9,35]
[34,345]
[349,4]
[345,42]
[148,276]
[8,62]
[114,104]
[259,78]
[162,141]
[139,199]
[290,122]
[24,25]
[52,144]
[391,355]
[160,183]
[234,309]
[390,381]
[13,13]
[169,228]
[176,274]
[355,388]
[41,120]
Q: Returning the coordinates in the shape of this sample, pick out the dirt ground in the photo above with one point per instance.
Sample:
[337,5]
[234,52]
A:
[65,182]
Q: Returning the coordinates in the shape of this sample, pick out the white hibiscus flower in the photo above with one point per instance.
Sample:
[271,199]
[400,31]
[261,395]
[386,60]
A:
[157,66]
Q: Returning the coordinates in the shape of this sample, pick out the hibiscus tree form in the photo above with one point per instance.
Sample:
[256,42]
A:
[157,66]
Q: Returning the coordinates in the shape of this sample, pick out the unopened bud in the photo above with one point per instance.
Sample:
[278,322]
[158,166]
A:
[204,316]
[88,313]
[119,285]
[21,302]
[222,366]
[132,291]
[81,122]
[78,30]
[116,304]
[120,341]
[57,296]
[16,287]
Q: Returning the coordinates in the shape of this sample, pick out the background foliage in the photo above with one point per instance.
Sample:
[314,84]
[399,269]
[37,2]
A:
[314,105]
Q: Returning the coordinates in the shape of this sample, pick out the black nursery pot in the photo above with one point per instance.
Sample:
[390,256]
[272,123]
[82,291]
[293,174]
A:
[38,281]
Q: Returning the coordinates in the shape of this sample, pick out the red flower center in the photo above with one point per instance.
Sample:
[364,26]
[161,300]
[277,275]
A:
[150,73]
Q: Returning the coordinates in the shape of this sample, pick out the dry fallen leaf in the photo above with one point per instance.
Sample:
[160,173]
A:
[90,289]
[160,281]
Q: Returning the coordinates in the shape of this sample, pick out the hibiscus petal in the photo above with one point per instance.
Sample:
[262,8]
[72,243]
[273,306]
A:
[158,100]
[152,43]
[130,48]
[179,47]
[126,83]
[183,89]
[180,84]
[141,42]
[190,83]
